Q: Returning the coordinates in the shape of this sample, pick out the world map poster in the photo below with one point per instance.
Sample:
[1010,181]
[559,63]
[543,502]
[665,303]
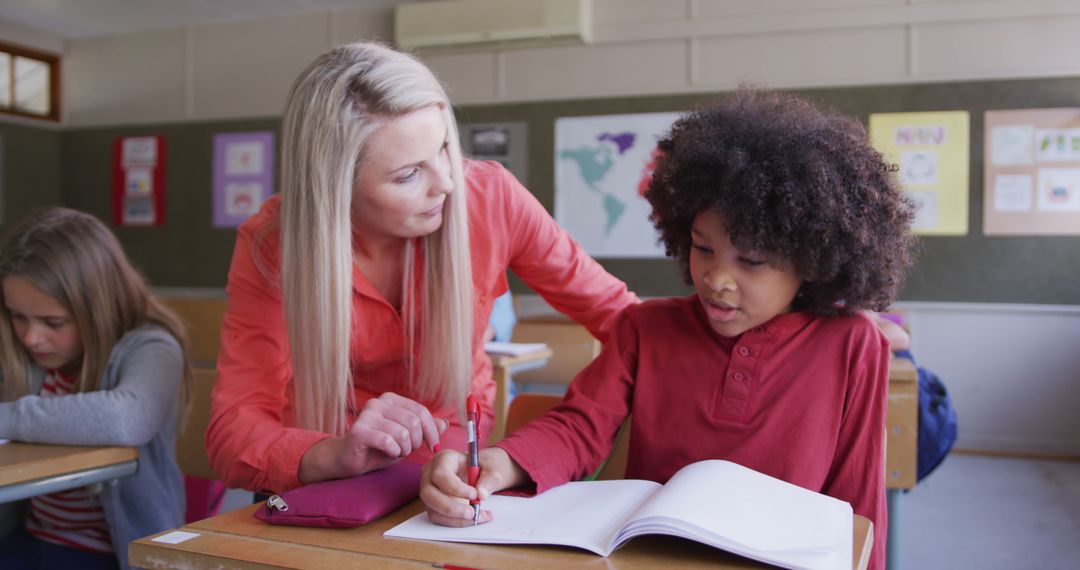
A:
[602,166]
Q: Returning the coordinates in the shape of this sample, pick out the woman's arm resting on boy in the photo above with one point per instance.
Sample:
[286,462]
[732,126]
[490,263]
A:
[896,335]
[557,267]
[446,494]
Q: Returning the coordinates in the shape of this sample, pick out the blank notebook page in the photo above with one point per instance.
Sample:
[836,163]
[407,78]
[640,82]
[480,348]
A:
[751,509]
[574,514]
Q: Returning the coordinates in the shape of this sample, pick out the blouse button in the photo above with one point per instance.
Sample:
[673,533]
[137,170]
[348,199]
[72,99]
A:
[760,329]
[744,351]
[740,376]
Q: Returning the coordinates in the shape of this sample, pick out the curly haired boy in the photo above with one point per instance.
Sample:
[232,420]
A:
[787,224]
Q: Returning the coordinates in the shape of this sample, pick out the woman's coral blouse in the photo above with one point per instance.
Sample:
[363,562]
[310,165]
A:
[252,442]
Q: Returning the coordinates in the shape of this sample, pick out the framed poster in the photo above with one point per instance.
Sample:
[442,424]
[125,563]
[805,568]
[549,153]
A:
[243,176]
[139,181]
[1031,172]
[931,153]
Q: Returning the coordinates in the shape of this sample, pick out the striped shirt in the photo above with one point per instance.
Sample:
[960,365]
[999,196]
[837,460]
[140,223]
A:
[72,518]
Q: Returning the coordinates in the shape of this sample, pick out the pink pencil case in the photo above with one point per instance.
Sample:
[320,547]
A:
[345,503]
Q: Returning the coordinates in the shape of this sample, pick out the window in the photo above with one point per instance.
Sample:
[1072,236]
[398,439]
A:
[29,83]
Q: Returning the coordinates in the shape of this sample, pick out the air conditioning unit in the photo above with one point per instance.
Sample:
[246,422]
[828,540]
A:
[457,23]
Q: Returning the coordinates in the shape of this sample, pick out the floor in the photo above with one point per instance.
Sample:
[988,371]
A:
[989,513]
[993,513]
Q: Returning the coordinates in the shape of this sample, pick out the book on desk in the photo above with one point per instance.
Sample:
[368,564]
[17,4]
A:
[514,348]
[718,503]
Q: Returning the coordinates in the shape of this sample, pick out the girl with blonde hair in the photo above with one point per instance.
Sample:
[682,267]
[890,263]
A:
[89,357]
[358,298]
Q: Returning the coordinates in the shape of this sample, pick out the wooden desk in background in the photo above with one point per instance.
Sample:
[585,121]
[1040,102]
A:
[28,470]
[502,368]
[237,540]
[902,425]
[901,448]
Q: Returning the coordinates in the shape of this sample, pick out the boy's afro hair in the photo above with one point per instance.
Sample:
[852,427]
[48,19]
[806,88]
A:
[790,182]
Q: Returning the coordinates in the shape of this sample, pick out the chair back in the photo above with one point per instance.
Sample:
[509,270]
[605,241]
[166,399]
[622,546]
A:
[202,318]
[526,407]
[191,442]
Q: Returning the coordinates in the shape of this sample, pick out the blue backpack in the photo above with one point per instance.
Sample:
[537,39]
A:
[937,420]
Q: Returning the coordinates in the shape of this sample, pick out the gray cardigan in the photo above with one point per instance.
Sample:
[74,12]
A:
[138,406]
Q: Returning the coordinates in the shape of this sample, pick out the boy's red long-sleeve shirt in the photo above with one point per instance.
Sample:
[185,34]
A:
[800,398]
[252,442]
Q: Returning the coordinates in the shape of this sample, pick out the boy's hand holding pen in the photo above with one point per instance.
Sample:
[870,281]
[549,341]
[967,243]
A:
[454,484]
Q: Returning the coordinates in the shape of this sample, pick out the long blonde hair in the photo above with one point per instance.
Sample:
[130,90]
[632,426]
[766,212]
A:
[333,108]
[73,258]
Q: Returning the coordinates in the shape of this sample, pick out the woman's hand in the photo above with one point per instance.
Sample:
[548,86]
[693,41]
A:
[388,428]
[446,494]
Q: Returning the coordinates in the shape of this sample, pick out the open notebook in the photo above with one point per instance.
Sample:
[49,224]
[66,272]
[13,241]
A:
[714,502]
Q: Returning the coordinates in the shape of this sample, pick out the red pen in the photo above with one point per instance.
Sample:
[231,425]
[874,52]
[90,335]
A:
[472,425]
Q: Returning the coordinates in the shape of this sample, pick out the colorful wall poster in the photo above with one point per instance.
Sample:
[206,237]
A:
[600,164]
[1032,172]
[930,151]
[243,175]
[139,181]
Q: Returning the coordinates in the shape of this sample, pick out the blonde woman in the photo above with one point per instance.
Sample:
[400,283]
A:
[358,300]
[89,357]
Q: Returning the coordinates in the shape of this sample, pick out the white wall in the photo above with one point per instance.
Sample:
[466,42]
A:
[1013,372]
[244,69]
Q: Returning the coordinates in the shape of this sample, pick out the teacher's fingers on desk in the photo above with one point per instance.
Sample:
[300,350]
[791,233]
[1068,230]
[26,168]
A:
[411,414]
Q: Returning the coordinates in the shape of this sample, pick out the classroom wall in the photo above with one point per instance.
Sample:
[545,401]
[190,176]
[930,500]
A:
[1007,366]
[187,251]
[13,33]
[1013,371]
[641,47]
[30,169]
[968,268]
[30,161]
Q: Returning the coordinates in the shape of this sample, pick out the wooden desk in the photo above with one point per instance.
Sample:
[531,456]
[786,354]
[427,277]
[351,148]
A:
[502,368]
[902,425]
[901,447]
[28,470]
[237,540]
